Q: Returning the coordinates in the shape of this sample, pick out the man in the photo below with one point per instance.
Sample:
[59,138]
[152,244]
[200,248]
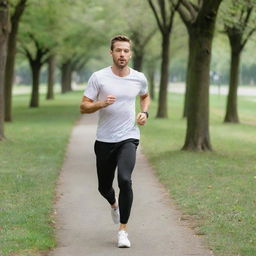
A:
[113,92]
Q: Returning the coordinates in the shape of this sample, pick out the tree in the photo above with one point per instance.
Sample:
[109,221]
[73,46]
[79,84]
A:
[36,61]
[152,60]
[139,46]
[75,56]
[51,77]
[38,38]
[239,25]
[164,12]
[133,24]
[4,31]
[18,10]
[199,20]
[83,37]
[66,75]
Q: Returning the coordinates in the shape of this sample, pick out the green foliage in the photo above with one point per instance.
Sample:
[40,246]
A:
[83,30]
[231,11]
[36,27]
[239,15]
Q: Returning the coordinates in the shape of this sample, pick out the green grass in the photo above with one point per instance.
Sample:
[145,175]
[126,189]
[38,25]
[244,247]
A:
[216,188]
[30,161]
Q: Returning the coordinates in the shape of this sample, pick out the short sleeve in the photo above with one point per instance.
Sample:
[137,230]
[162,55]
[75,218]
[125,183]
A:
[144,85]
[92,89]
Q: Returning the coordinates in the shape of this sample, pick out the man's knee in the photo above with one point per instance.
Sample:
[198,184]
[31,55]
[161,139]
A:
[125,184]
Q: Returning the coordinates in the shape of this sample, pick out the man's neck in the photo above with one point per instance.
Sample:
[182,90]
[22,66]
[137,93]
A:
[125,71]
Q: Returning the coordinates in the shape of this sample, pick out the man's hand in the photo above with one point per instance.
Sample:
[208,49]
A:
[89,106]
[109,101]
[141,118]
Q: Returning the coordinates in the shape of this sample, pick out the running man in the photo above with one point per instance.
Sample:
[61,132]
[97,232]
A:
[113,91]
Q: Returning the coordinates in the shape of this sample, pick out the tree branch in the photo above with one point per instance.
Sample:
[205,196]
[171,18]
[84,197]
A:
[19,9]
[149,36]
[174,7]
[32,37]
[161,4]
[184,15]
[190,8]
[156,15]
[196,7]
[241,15]
[247,38]
[44,57]
[27,53]
[248,15]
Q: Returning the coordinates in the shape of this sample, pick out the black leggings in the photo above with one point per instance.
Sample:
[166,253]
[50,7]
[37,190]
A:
[121,155]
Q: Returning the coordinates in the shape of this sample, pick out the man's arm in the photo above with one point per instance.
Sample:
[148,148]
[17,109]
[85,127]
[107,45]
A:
[144,105]
[88,106]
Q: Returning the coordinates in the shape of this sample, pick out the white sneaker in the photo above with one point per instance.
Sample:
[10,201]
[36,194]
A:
[115,214]
[123,241]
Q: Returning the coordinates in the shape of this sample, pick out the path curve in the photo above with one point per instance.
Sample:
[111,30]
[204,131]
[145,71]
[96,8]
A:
[83,223]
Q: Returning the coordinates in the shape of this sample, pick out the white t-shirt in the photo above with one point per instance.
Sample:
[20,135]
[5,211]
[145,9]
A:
[117,121]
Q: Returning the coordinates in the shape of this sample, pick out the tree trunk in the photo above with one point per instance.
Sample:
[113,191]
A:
[138,60]
[9,74]
[70,76]
[163,88]
[231,109]
[66,77]
[51,78]
[151,76]
[197,135]
[190,57]
[35,68]
[4,30]
[10,62]
[201,30]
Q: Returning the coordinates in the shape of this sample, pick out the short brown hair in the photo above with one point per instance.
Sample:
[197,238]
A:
[121,38]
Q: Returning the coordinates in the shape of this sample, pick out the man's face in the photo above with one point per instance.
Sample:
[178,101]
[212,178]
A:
[121,54]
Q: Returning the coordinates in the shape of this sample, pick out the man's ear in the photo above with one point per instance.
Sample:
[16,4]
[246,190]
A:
[110,52]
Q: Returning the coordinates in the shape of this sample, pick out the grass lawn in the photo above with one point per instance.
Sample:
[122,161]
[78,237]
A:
[30,161]
[218,189]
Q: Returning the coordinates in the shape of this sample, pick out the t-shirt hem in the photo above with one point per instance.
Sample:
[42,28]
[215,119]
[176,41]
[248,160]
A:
[119,140]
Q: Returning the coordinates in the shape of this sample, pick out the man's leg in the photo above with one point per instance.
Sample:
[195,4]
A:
[126,163]
[106,165]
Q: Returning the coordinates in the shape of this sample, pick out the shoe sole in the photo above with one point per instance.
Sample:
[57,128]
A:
[123,246]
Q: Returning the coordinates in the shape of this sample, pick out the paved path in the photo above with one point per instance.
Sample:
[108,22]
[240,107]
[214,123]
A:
[84,224]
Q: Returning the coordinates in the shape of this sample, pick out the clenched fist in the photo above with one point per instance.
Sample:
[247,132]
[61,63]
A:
[141,118]
[109,101]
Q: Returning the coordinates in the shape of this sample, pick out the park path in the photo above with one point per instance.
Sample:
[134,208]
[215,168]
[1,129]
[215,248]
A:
[83,223]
